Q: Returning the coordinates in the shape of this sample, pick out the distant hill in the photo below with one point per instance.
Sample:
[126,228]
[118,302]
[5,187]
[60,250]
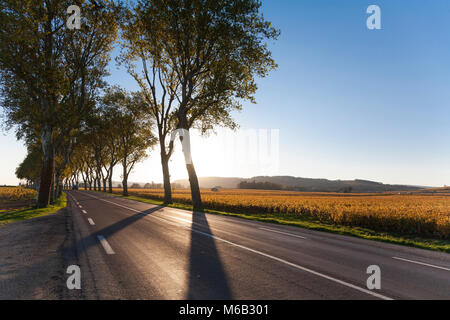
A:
[211,182]
[305,184]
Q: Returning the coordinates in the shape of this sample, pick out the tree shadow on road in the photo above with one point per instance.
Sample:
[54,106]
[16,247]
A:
[207,277]
[122,224]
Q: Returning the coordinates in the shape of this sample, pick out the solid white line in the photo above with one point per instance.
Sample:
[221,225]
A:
[91,222]
[84,211]
[422,263]
[267,256]
[297,266]
[105,245]
[289,234]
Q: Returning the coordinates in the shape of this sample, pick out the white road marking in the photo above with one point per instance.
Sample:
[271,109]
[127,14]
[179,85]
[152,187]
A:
[91,222]
[262,254]
[422,263]
[84,211]
[286,233]
[105,245]
[114,203]
[80,207]
[297,266]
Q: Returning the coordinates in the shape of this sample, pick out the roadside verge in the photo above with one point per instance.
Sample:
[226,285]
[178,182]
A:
[28,213]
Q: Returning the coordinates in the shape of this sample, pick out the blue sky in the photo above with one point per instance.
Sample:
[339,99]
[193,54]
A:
[348,102]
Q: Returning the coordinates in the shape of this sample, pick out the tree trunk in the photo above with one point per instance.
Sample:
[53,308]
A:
[57,188]
[53,188]
[193,180]
[47,171]
[195,188]
[125,179]
[110,183]
[166,175]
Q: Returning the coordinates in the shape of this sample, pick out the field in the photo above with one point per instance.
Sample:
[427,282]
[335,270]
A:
[415,214]
[16,197]
[16,204]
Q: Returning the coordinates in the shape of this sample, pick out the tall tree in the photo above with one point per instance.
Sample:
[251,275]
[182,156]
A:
[48,71]
[132,128]
[158,85]
[206,56]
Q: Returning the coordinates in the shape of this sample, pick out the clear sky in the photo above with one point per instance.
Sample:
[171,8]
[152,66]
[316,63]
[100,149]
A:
[348,102]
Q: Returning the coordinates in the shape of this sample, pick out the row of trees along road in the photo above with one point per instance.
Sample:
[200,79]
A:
[119,132]
[195,62]
[50,76]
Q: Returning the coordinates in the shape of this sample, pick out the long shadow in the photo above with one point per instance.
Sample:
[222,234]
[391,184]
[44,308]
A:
[67,251]
[119,225]
[207,277]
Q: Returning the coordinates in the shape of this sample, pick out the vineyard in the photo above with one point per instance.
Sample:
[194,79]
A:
[16,197]
[408,214]
[8,194]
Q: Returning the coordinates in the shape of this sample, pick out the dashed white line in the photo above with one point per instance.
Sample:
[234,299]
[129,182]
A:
[91,222]
[422,263]
[84,211]
[286,233]
[105,245]
[262,254]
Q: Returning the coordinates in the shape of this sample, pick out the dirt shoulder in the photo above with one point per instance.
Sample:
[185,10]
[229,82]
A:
[34,255]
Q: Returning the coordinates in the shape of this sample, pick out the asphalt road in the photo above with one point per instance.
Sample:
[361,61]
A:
[133,250]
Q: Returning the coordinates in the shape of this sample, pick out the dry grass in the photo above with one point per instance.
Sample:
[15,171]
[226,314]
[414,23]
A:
[408,214]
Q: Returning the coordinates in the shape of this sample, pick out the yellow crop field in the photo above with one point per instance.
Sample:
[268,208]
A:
[8,194]
[411,214]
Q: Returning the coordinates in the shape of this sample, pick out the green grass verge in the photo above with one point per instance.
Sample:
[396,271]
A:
[364,233]
[28,213]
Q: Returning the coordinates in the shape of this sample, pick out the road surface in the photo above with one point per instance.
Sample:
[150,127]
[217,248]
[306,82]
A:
[133,250]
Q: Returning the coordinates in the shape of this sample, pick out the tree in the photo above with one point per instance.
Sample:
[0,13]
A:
[133,127]
[147,186]
[158,86]
[205,56]
[29,168]
[49,73]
